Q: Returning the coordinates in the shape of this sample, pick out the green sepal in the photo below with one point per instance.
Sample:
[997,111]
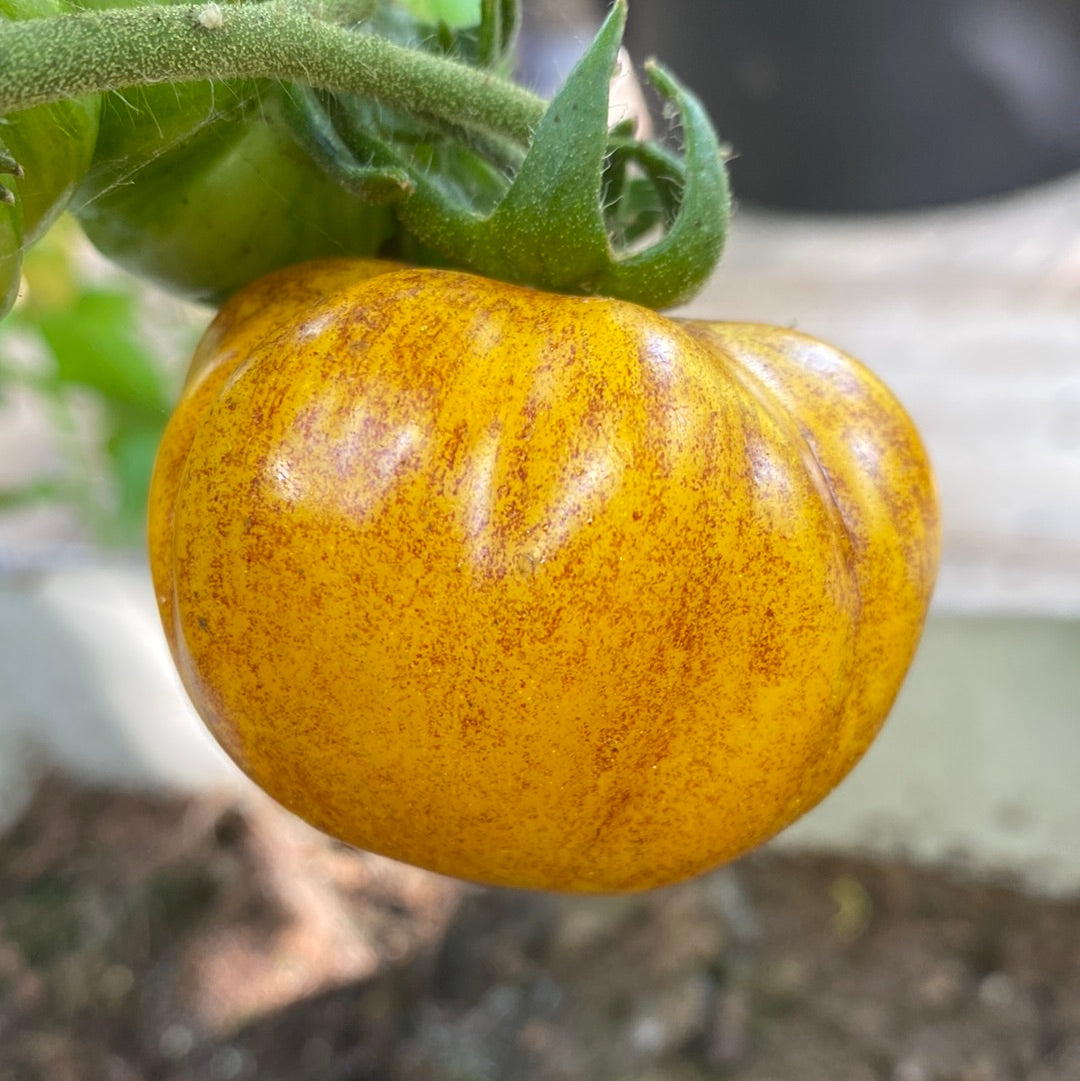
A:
[309,123]
[673,266]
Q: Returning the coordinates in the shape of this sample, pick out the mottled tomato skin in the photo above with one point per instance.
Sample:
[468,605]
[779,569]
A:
[539,591]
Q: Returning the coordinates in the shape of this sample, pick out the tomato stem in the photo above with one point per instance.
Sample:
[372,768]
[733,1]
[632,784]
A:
[49,59]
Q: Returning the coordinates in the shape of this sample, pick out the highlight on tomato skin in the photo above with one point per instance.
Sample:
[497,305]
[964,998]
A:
[538,591]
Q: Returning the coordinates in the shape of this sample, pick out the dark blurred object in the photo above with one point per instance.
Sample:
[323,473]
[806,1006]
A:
[859,105]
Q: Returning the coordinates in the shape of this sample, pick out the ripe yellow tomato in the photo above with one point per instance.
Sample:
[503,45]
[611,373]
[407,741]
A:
[539,591]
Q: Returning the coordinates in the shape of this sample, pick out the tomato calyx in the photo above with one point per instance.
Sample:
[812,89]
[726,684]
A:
[585,209]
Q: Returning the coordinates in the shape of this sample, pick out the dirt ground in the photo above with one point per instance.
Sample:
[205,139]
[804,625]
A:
[151,939]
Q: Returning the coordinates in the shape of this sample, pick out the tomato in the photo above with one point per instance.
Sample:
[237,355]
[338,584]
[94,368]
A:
[535,590]
[201,189]
[53,146]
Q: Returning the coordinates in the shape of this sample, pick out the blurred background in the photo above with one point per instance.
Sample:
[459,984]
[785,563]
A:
[907,178]
[842,105]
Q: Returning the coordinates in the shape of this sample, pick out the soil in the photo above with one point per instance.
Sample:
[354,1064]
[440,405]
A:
[217,939]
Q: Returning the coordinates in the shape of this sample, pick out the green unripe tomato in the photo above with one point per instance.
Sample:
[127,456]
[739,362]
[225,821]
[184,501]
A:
[201,188]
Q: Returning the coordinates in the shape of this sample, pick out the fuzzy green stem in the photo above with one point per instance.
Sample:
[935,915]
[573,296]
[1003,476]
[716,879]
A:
[44,60]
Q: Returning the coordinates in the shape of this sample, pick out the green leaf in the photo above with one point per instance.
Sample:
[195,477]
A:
[94,345]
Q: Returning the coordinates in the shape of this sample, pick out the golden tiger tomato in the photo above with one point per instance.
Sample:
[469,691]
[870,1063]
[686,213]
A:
[535,590]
